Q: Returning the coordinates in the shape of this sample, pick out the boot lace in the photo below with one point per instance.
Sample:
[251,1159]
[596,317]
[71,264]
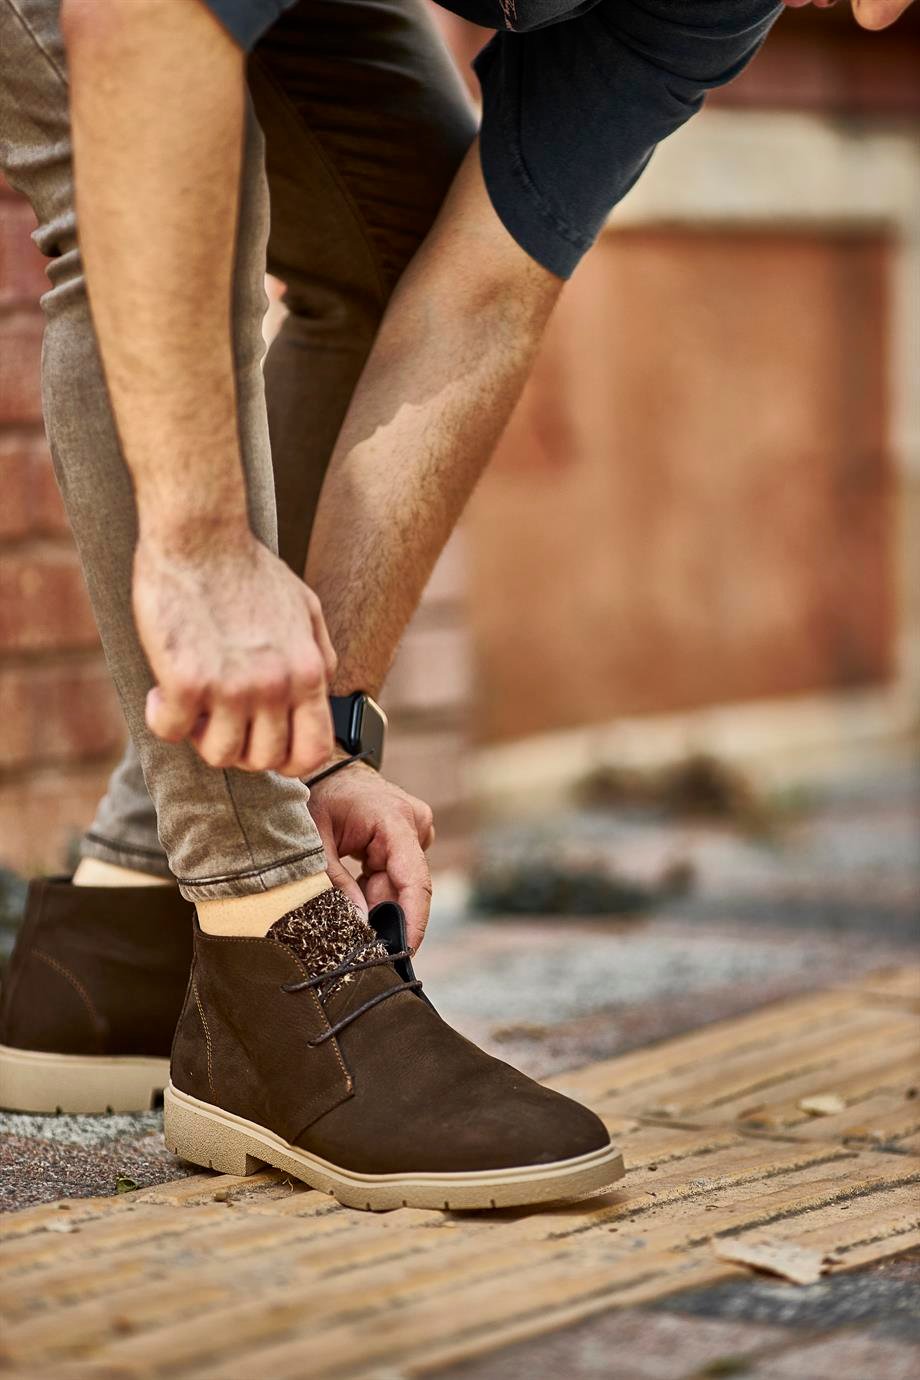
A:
[345,969]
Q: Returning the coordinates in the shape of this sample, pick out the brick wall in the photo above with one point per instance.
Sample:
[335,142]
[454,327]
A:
[702,507]
[60,725]
[429,698]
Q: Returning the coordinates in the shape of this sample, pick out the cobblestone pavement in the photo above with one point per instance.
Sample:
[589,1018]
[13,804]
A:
[830,893]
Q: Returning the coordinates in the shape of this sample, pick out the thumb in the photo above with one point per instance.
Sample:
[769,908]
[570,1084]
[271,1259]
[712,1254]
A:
[340,877]
[878,14]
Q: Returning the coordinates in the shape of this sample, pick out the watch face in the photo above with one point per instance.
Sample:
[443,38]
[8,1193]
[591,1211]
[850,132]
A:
[370,729]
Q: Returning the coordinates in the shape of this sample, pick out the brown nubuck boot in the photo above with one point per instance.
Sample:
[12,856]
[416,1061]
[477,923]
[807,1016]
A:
[353,1083]
[91,996]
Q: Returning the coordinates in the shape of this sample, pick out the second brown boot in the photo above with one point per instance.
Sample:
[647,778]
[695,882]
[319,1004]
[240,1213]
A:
[91,996]
[351,1082]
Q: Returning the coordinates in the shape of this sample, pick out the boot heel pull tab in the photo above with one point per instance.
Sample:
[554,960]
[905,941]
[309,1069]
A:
[389,923]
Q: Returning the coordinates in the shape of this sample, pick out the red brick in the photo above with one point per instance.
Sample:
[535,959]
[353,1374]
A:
[20,377]
[32,504]
[429,765]
[48,515]
[22,266]
[43,602]
[47,507]
[448,579]
[808,66]
[40,817]
[58,714]
[431,673]
[14,486]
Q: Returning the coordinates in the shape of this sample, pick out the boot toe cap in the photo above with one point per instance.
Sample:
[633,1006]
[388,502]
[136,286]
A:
[556,1128]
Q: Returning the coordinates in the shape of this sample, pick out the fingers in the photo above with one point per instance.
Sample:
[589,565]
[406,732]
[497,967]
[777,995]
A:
[275,738]
[377,888]
[336,870]
[878,14]
[221,739]
[397,853]
[172,713]
[424,822]
[416,903]
[243,672]
[321,634]
[270,718]
[871,14]
[311,738]
[362,815]
[269,738]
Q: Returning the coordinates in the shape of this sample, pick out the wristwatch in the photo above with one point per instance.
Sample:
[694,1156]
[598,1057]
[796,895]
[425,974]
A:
[360,725]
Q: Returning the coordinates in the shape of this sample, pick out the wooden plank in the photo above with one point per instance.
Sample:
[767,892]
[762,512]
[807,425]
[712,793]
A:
[540,1296]
[898,985]
[123,1229]
[871,1251]
[783,1021]
[779,1025]
[248,1231]
[664,1161]
[874,1073]
[15,1226]
[519,1253]
[889,1119]
[890,1211]
[212,1188]
[816,1061]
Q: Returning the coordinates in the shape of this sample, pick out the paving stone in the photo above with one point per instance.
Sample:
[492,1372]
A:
[42,1168]
[882,1297]
[846,1356]
[630,1344]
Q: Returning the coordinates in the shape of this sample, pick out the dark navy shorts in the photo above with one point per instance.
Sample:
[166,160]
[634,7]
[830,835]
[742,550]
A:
[576,96]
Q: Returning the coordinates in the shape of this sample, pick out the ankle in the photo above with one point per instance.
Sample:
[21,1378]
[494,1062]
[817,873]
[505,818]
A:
[253,916]
[95,872]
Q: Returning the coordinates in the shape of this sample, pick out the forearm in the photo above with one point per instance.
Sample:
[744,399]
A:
[235,641]
[448,366]
[157,94]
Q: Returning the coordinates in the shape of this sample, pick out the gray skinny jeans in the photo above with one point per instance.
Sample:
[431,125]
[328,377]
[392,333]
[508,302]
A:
[358,122]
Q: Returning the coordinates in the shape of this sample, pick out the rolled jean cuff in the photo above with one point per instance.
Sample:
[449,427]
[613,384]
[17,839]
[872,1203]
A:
[120,853]
[255,880]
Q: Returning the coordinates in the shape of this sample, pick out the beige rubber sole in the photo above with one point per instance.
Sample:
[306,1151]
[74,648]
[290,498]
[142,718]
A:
[31,1081]
[207,1135]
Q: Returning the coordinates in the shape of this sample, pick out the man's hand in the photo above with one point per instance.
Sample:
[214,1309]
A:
[871,14]
[240,653]
[361,815]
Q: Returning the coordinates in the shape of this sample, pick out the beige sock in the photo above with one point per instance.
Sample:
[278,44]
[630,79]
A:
[253,916]
[95,872]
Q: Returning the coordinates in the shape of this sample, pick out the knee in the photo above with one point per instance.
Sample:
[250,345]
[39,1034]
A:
[331,314]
